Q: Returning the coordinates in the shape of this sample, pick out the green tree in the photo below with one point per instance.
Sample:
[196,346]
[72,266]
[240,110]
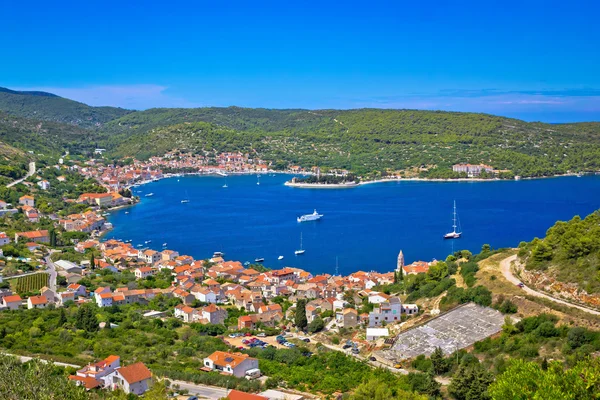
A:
[52,237]
[439,363]
[300,317]
[527,380]
[62,318]
[470,382]
[316,325]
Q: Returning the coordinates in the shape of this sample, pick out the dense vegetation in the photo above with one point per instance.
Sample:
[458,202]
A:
[570,252]
[49,107]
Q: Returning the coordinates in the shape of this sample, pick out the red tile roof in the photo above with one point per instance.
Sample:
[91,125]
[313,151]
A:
[135,372]
[237,395]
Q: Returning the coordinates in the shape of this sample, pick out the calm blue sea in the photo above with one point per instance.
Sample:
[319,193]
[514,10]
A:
[363,228]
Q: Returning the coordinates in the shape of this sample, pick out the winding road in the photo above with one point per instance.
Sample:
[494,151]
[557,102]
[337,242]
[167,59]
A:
[505,266]
[31,172]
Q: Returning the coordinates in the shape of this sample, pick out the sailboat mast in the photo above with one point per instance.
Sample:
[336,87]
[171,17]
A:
[454,217]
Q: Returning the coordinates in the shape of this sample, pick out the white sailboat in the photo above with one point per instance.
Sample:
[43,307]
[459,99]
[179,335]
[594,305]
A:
[258,179]
[280,258]
[301,251]
[186,200]
[453,234]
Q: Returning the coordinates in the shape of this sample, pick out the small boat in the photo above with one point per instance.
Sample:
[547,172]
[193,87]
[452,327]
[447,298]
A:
[150,195]
[139,245]
[259,260]
[280,258]
[301,251]
[164,245]
[218,254]
[315,216]
[126,212]
[184,201]
[148,241]
[247,263]
[128,241]
[453,234]
[225,186]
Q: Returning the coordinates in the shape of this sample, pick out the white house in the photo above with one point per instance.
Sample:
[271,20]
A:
[144,272]
[376,333]
[236,364]
[103,296]
[44,185]
[12,302]
[63,297]
[135,378]
[37,302]
[149,256]
[377,298]
[204,295]
[4,239]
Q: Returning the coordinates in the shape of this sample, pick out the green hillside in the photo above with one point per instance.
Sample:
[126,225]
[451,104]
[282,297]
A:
[365,140]
[46,137]
[49,107]
[570,252]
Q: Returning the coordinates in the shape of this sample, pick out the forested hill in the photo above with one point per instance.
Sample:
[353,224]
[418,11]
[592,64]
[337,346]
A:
[570,252]
[371,142]
[364,140]
[50,107]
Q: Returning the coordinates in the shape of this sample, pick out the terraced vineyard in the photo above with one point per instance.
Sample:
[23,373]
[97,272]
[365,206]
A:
[30,283]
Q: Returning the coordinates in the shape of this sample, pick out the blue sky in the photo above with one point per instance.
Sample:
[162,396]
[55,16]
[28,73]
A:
[535,60]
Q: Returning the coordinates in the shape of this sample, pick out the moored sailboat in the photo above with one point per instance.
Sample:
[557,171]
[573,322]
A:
[453,234]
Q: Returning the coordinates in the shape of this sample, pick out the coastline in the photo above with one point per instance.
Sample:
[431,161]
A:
[322,185]
[448,180]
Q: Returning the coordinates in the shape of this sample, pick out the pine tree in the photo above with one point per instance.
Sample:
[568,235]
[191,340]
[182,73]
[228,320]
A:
[62,319]
[300,320]
[438,361]
[52,238]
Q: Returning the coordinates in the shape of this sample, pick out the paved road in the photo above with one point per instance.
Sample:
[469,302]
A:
[52,271]
[209,392]
[505,266]
[25,359]
[31,172]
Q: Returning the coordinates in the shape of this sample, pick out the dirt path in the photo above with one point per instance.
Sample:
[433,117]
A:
[505,267]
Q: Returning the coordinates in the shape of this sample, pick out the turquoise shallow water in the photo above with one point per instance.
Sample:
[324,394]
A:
[364,227]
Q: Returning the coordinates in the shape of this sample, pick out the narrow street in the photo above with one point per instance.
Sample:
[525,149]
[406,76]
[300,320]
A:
[31,172]
[209,392]
[52,272]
